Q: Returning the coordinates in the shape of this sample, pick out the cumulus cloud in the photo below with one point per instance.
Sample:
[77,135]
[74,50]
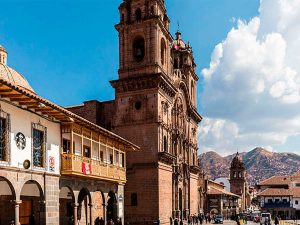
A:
[251,93]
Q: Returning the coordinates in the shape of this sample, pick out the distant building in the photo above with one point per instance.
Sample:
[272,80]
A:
[238,181]
[220,201]
[280,195]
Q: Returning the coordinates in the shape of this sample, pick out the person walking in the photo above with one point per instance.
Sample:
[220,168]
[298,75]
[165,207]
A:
[276,220]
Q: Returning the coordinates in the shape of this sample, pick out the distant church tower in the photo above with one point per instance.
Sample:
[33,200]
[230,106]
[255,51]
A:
[238,180]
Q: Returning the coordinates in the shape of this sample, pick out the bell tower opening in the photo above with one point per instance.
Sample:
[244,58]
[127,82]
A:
[144,33]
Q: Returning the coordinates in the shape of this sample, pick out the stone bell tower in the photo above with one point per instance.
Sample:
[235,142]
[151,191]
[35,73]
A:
[155,108]
[238,179]
[143,38]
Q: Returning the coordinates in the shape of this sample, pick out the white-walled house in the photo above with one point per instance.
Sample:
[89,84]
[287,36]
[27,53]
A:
[280,195]
[55,167]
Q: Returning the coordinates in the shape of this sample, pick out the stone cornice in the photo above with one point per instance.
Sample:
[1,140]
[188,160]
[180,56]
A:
[166,158]
[146,81]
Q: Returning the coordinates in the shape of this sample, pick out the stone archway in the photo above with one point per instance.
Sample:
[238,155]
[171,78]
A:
[111,213]
[99,210]
[84,213]
[7,199]
[32,207]
[66,206]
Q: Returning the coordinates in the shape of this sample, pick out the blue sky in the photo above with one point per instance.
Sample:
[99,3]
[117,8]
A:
[68,49]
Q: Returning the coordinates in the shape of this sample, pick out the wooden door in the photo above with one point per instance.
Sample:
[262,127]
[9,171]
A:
[25,212]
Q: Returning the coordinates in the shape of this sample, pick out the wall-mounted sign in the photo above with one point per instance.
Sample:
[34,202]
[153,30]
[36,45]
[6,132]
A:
[51,164]
[26,164]
[20,141]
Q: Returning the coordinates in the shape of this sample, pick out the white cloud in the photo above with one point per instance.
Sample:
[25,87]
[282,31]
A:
[251,91]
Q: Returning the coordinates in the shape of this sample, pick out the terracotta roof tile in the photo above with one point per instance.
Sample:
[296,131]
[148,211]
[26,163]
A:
[276,192]
[215,191]
[276,180]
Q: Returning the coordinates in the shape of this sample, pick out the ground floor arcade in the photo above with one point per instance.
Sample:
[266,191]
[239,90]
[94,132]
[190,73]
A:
[36,198]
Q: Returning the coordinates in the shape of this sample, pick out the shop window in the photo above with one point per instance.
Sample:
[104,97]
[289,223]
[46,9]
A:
[4,136]
[38,145]
[134,199]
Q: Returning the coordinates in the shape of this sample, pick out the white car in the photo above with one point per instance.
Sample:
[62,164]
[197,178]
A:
[265,217]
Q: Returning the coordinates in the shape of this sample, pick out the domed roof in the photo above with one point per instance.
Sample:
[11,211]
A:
[237,161]
[10,74]
[178,43]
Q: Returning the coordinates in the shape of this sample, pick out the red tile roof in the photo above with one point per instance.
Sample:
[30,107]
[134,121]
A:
[215,191]
[276,192]
[276,180]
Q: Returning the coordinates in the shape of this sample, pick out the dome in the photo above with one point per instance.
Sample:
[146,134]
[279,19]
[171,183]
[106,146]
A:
[10,74]
[237,161]
[178,43]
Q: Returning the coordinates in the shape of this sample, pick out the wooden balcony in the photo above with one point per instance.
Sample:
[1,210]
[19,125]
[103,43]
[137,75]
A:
[75,165]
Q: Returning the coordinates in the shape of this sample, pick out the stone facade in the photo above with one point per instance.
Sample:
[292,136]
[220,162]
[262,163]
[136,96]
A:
[155,107]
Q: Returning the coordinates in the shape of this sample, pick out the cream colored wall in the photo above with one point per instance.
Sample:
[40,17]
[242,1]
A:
[21,121]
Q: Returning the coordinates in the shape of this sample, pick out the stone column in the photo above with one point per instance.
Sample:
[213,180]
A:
[17,212]
[104,213]
[75,211]
[91,213]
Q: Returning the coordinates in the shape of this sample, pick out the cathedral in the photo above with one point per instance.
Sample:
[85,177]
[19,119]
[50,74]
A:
[155,107]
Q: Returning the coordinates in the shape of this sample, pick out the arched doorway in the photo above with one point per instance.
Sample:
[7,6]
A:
[7,196]
[32,208]
[98,207]
[66,206]
[84,207]
[112,213]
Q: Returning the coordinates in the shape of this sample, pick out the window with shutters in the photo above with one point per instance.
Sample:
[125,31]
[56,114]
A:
[38,145]
[4,136]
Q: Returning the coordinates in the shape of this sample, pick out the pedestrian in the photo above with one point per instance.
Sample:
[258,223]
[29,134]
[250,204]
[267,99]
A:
[101,222]
[176,221]
[276,220]
[12,222]
[206,219]
[119,221]
[201,219]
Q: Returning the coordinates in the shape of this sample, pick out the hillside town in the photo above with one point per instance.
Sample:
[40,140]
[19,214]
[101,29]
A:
[135,159]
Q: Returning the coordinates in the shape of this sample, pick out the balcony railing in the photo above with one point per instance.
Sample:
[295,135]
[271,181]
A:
[76,165]
[277,205]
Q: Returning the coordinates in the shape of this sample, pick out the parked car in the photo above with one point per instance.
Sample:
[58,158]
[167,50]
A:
[265,218]
[218,219]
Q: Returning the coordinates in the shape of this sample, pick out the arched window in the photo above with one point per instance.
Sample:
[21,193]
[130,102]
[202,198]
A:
[165,144]
[163,51]
[134,199]
[138,14]
[139,49]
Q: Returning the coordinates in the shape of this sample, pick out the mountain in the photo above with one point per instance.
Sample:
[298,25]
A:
[260,164]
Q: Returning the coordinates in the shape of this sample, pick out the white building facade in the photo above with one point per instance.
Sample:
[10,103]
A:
[55,167]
